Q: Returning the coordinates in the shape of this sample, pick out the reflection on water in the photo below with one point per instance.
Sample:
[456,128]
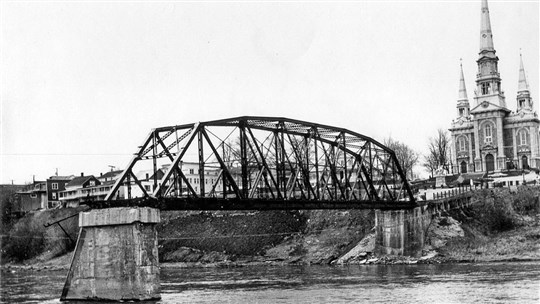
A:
[517,282]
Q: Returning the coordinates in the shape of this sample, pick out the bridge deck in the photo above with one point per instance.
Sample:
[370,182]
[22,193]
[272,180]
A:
[251,204]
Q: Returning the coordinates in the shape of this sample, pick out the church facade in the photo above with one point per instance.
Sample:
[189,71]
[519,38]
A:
[488,137]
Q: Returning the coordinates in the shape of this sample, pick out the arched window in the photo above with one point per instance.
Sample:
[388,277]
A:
[485,88]
[523,137]
[462,144]
[488,137]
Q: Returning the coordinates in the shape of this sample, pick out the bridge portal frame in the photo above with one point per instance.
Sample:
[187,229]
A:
[290,159]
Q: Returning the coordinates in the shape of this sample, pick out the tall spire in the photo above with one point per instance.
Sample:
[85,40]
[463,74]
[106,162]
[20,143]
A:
[488,79]
[486,37]
[522,84]
[462,89]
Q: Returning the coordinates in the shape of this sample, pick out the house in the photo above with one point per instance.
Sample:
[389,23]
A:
[31,197]
[55,184]
[110,176]
[81,189]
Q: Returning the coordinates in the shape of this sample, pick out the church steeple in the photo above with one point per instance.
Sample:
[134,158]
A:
[488,79]
[524,100]
[522,84]
[462,89]
[486,37]
[463,100]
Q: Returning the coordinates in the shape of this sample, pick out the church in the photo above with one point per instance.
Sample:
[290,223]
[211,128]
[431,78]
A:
[488,137]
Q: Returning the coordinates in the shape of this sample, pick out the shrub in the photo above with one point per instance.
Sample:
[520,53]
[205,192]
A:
[494,210]
[25,240]
[29,237]
[526,200]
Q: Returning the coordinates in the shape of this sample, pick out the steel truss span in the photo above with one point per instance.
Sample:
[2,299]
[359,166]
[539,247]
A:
[263,158]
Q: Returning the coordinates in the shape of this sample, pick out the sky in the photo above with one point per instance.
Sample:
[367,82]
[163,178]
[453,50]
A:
[83,82]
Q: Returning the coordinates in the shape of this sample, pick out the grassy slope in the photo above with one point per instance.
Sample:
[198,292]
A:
[500,225]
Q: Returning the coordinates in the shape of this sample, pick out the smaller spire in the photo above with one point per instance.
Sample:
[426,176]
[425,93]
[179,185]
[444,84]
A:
[462,89]
[522,84]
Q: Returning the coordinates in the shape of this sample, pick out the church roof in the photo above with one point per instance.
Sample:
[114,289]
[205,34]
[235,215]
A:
[486,106]
[522,84]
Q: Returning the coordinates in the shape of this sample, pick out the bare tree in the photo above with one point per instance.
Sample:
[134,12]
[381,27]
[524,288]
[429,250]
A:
[430,162]
[439,152]
[406,156]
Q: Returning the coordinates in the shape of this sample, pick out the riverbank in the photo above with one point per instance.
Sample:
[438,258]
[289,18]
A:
[499,226]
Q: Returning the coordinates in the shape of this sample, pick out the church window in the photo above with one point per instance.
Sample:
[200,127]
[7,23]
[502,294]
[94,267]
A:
[462,144]
[523,137]
[488,134]
[485,88]
[461,112]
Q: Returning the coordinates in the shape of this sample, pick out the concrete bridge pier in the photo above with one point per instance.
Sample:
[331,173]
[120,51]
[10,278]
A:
[401,232]
[116,256]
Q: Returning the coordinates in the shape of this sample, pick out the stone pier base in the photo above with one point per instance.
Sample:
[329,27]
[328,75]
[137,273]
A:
[401,232]
[116,256]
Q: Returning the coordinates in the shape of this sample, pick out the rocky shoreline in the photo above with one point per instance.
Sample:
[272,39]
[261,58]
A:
[60,264]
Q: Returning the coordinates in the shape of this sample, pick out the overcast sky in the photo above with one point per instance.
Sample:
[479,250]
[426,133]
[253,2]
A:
[83,83]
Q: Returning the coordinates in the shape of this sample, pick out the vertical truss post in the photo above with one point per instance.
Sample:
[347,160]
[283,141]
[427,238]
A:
[333,167]
[283,155]
[201,163]
[175,183]
[180,179]
[317,166]
[278,169]
[223,168]
[306,170]
[177,179]
[243,160]
[128,182]
[154,158]
[345,175]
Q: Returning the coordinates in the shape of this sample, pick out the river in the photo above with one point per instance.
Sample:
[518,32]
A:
[509,282]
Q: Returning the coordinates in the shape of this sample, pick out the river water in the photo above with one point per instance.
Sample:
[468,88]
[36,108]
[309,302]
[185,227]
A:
[512,282]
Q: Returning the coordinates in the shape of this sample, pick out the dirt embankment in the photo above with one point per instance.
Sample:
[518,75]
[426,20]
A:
[254,237]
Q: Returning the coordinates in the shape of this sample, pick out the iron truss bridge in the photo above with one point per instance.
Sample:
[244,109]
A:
[262,163]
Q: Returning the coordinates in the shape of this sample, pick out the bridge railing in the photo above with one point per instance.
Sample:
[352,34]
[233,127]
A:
[451,193]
